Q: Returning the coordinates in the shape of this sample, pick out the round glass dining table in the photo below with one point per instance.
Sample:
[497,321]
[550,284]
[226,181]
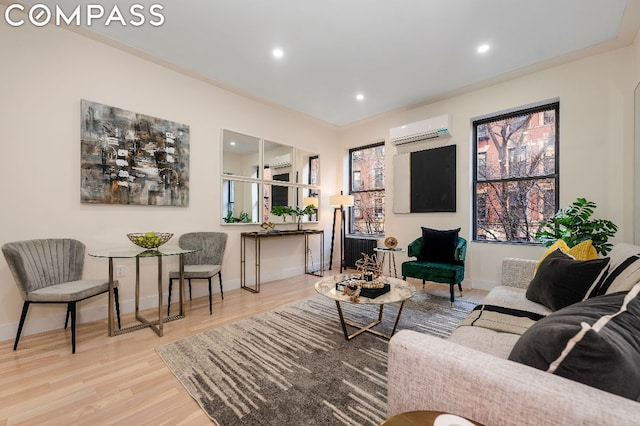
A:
[138,253]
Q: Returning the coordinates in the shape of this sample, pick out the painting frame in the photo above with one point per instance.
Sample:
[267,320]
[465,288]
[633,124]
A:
[131,158]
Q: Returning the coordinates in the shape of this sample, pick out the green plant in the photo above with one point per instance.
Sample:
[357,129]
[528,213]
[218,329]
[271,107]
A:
[282,211]
[294,212]
[573,224]
[243,218]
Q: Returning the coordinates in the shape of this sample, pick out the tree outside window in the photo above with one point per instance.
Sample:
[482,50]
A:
[366,170]
[515,174]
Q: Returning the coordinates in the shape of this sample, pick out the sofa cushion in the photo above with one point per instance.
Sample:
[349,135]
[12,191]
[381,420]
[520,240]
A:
[514,298]
[595,342]
[438,246]
[485,340]
[622,272]
[561,280]
[581,251]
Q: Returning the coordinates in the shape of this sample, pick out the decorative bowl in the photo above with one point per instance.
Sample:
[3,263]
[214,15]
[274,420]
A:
[149,240]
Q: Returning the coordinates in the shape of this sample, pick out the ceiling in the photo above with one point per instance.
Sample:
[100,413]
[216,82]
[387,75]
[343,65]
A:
[396,53]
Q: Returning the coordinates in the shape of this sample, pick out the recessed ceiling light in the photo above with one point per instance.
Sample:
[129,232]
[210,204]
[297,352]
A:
[360,96]
[278,53]
[483,48]
[232,143]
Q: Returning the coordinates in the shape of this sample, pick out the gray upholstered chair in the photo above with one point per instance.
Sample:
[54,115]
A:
[50,271]
[202,264]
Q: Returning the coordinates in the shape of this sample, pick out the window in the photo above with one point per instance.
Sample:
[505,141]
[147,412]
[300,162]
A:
[516,177]
[366,181]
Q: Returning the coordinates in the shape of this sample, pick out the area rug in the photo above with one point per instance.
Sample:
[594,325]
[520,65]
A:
[293,366]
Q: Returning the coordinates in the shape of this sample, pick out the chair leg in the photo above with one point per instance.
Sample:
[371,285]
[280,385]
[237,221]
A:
[169,299]
[116,299]
[66,319]
[25,308]
[220,280]
[210,307]
[190,289]
[451,287]
[460,287]
[72,308]
[423,282]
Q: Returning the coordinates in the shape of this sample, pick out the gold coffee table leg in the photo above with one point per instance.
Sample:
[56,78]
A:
[367,328]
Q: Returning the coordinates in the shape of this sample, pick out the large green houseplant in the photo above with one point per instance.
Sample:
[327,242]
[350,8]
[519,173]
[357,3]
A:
[573,224]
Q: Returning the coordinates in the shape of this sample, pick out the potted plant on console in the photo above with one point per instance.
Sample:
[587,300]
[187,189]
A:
[296,213]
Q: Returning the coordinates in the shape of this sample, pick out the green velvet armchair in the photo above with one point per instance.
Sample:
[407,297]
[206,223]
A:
[444,273]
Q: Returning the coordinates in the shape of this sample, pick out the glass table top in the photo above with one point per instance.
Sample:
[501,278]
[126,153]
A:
[135,251]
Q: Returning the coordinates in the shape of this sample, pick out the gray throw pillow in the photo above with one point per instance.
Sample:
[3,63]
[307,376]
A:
[562,281]
[600,338]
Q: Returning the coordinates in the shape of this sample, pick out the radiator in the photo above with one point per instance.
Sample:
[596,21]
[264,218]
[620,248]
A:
[354,247]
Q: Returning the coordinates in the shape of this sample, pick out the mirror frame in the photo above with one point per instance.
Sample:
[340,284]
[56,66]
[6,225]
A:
[301,162]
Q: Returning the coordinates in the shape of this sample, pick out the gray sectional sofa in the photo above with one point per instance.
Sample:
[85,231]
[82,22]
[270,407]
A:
[469,373]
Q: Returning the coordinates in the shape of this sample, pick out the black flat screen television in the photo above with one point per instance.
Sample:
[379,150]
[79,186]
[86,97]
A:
[433,180]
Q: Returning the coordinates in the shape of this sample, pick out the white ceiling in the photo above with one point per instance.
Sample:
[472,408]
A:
[397,53]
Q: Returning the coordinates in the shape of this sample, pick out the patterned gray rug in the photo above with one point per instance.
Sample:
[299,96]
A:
[293,366]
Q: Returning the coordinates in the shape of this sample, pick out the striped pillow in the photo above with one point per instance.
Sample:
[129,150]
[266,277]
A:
[622,272]
[595,342]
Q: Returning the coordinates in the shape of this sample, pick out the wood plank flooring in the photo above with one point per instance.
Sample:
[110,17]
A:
[120,380]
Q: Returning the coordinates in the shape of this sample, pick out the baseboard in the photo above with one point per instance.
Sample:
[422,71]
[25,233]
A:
[40,324]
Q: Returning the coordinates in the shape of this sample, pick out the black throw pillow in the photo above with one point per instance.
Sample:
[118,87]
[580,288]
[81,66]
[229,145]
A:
[439,246]
[595,342]
[562,281]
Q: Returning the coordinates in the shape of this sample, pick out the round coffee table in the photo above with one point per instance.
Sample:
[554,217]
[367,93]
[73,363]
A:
[399,291]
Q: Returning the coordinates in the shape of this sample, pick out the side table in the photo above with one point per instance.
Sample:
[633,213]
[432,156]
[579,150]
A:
[427,418]
[392,257]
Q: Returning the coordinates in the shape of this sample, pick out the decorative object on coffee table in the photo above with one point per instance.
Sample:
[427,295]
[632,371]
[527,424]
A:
[368,265]
[149,240]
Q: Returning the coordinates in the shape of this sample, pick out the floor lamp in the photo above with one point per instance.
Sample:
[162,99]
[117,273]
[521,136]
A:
[339,202]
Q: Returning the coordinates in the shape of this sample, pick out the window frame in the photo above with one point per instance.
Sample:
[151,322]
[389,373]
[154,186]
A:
[546,106]
[382,191]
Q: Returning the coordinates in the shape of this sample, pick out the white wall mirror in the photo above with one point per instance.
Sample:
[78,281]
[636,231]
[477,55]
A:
[258,175]
[240,201]
[309,196]
[278,161]
[280,196]
[307,167]
[240,154]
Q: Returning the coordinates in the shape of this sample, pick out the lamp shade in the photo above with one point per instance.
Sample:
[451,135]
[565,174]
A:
[341,200]
[310,201]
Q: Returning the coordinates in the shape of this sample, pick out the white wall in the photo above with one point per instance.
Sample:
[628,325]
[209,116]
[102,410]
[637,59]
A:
[596,149]
[45,73]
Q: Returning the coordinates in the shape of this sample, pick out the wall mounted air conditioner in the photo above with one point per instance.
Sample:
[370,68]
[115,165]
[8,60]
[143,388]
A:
[280,162]
[431,128]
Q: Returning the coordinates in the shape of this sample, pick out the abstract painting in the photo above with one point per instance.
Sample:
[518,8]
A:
[131,158]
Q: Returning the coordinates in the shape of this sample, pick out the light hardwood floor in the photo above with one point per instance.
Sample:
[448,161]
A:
[121,380]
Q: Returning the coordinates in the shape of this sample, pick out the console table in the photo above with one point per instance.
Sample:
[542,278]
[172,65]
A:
[137,253]
[257,238]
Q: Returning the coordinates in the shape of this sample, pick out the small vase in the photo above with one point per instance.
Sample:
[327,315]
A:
[299,223]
